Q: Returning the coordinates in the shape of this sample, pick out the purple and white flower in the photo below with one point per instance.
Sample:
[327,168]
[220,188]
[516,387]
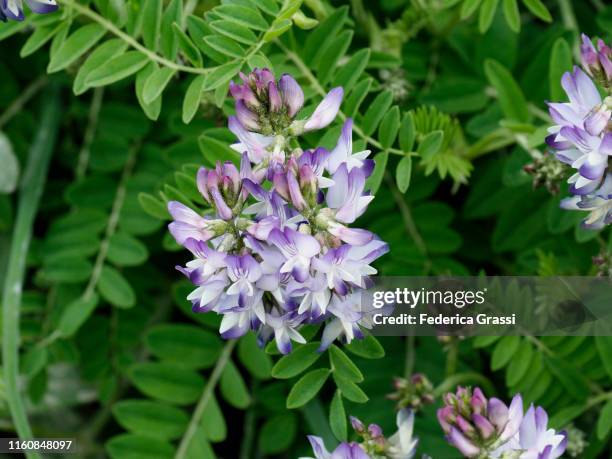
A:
[13,9]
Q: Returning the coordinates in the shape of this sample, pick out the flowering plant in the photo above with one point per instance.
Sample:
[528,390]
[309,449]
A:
[281,254]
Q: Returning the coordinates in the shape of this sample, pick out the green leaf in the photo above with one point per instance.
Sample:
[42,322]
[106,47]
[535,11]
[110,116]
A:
[216,150]
[504,350]
[430,145]
[317,39]
[604,423]
[376,111]
[510,96]
[221,75]
[407,133]
[307,388]
[242,15]
[278,28]
[513,17]
[75,46]
[168,40]
[99,56]
[538,8]
[569,377]
[167,382]
[520,363]
[116,69]
[153,206]
[115,289]
[389,126]
[224,46]
[187,47]
[234,31]
[337,417]
[75,315]
[368,348]
[604,347]
[349,73]
[34,360]
[254,359]
[151,419]
[9,174]
[183,344]
[151,23]
[380,165]
[297,361]
[468,8]
[131,446]
[349,389]
[278,433]
[213,423]
[126,250]
[332,54]
[192,99]
[343,365]
[487,13]
[156,83]
[153,109]
[233,388]
[40,36]
[560,62]
[67,270]
[403,173]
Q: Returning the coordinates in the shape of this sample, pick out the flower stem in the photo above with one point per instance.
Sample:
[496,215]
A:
[30,192]
[204,399]
[23,99]
[90,132]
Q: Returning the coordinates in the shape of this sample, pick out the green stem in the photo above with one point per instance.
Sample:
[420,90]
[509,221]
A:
[23,99]
[204,399]
[30,192]
[409,360]
[112,28]
[90,132]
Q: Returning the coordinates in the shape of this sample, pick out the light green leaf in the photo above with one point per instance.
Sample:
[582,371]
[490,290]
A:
[75,315]
[116,69]
[254,359]
[224,45]
[183,344]
[153,206]
[242,15]
[349,73]
[343,365]
[221,75]
[278,433]
[75,46]
[297,361]
[156,83]
[233,388]
[604,423]
[332,54]
[115,289]
[307,387]
[99,56]
[278,28]
[337,417]
[486,15]
[234,31]
[504,350]
[187,47]
[192,99]
[380,165]
[560,62]
[168,41]
[126,250]
[430,145]
[151,419]
[468,8]
[403,173]
[513,18]
[131,446]
[349,389]
[539,9]
[379,107]
[153,109]
[41,35]
[389,126]
[407,133]
[510,96]
[151,23]
[167,382]
[368,348]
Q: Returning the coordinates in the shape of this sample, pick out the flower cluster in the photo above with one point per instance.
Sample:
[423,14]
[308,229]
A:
[373,444]
[582,135]
[486,428]
[278,251]
[13,9]
[413,393]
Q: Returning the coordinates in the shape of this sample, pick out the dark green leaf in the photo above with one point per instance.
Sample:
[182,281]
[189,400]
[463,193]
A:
[307,387]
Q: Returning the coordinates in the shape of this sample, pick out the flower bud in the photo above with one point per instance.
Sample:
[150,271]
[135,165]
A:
[597,62]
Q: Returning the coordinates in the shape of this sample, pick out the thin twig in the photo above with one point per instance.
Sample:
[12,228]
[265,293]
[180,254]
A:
[90,132]
[23,99]
[204,399]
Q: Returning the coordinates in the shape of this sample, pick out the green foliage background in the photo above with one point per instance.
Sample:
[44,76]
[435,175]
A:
[128,99]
